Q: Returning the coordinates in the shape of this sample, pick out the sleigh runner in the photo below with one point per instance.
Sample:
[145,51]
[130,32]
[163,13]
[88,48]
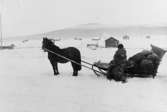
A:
[100,66]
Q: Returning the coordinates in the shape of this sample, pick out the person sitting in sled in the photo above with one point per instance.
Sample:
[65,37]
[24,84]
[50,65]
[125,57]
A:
[117,65]
[120,55]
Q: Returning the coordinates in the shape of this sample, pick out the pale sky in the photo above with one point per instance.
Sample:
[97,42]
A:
[24,17]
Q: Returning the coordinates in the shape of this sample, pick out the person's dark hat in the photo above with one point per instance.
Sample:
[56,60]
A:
[120,46]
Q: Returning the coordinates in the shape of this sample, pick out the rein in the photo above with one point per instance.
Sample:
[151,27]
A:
[75,61]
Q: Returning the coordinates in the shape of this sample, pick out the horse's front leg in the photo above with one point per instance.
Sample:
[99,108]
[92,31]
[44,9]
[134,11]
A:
[54,66]
[75,73]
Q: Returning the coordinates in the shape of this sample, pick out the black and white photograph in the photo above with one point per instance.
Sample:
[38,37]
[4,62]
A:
[83,56]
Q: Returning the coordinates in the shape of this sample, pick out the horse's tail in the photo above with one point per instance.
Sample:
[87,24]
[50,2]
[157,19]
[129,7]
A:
[79,61]
[76,56]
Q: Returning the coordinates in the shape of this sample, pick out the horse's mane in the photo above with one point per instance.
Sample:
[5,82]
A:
[49,44]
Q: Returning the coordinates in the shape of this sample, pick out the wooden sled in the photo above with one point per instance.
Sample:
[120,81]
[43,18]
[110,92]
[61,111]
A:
[103,67]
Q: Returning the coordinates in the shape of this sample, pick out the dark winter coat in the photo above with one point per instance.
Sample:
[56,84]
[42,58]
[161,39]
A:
[120,56]
[117,65]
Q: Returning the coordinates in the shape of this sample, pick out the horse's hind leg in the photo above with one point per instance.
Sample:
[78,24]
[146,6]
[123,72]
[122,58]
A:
[56,69]
[75,71]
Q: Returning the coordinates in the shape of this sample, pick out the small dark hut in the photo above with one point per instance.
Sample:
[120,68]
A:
[111,42]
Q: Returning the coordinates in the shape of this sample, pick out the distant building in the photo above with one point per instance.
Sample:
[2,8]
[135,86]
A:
[57,39]
[103,42]
[148,37]
[111,42]
[126,37]
[24,41]
[96,38]
[77,38]
[93,44]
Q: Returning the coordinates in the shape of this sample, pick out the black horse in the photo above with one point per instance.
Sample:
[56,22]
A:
[56,55]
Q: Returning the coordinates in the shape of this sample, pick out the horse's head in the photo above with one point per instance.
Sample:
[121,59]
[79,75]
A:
[46,43]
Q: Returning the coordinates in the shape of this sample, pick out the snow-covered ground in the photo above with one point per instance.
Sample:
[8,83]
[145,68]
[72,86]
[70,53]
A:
[27,83]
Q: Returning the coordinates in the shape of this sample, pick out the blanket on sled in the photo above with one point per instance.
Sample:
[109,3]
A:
[145,63]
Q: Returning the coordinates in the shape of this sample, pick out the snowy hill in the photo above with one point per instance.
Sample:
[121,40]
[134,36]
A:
[97,30]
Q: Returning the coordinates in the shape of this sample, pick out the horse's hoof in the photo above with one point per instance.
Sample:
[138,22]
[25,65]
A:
[74,75]
[153,76]
[56,74]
